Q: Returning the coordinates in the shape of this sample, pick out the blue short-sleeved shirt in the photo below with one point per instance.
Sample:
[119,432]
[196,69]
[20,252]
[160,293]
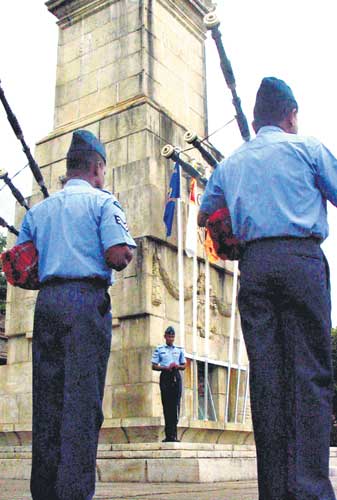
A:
[165,354]
[277,184]
[73,228]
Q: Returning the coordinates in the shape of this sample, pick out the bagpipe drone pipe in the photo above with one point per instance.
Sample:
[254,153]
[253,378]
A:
[20,263]
[36,171]
[219,224]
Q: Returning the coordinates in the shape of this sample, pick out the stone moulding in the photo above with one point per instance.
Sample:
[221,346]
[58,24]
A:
[194,25]
[70,11]
[159,271]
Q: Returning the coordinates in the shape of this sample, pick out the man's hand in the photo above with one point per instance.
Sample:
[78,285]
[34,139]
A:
[118,256]
[202,218]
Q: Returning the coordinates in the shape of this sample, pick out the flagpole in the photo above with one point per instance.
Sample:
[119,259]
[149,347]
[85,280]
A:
[231,334]
[239,380]
[181,272]
[207,304]
[194,332]
[181,283]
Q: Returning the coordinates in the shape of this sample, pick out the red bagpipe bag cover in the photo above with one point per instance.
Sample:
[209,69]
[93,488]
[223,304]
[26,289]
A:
[20,265]
[225,244]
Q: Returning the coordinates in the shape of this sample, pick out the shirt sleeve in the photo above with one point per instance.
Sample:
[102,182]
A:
[213,197]
[25,233]
[182,359]
[113,226]
[155,357]
[326,173]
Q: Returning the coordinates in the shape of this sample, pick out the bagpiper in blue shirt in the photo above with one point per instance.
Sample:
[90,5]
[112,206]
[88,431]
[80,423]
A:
[101,223]
[270,186]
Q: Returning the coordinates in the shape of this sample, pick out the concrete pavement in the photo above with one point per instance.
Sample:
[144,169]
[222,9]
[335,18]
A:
[11,489]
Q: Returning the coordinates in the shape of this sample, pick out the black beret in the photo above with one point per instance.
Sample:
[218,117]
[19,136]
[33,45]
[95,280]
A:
[272,98]
[170,330]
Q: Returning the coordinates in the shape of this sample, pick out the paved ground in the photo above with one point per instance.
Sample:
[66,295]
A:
[19,490]
[243,490]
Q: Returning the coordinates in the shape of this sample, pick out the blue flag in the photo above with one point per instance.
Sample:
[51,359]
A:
[173,194]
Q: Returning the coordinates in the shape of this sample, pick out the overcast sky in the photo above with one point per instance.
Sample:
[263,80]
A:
[291,40]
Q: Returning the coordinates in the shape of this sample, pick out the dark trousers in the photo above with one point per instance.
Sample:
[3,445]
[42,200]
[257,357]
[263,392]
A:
[284,302]
[170,390]
[71,346]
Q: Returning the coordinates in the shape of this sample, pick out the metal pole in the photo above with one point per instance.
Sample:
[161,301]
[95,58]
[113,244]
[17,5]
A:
[181,285]
[239,379]
[231,334]
[246,396]
[194,333]
[207,319]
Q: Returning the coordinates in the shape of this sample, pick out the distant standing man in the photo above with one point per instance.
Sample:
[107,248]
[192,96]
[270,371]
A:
[169,360]
[276,188]
[81,235]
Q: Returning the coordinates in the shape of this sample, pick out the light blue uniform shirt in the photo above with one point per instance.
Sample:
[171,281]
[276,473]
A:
[277,184]
[73,228]
[165,354]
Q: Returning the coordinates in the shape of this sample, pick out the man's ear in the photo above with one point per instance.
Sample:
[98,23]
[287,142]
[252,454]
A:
[293,118]
[292,121]
[94,167]
[289,123]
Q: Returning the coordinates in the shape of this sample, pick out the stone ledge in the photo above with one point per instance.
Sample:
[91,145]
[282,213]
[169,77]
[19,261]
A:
[155,462]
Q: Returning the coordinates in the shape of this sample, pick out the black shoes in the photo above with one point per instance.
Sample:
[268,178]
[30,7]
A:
[171,440]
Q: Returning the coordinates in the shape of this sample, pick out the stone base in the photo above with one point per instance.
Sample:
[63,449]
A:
[152,462]
[157,462]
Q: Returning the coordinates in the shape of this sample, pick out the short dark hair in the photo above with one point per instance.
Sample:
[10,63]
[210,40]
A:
[80,160]
[276,116]
[170,331]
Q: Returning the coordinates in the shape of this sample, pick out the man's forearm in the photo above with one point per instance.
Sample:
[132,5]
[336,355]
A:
[160,368]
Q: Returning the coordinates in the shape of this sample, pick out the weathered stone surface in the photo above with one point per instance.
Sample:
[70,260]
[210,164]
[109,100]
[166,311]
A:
[135,77]
[131,470]
[15,468]
[172,469]
[18,350]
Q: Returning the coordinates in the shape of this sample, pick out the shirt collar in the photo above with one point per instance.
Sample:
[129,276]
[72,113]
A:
[269,128]
[77,182]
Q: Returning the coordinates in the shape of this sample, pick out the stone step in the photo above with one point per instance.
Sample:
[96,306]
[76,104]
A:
[155,463]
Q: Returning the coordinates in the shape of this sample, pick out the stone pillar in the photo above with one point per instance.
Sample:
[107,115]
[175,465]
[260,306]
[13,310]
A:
[133,73]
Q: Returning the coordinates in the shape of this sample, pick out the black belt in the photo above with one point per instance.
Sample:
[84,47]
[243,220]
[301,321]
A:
[283,238]
[95,281]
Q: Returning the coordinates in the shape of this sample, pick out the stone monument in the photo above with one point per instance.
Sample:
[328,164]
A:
[133,73]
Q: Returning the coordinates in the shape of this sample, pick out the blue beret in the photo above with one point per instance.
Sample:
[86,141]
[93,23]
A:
[83,140]
[272,98]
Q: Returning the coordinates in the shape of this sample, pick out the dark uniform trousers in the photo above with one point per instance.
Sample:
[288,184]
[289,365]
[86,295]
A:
[71,346]
[170,390]
[284,302]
